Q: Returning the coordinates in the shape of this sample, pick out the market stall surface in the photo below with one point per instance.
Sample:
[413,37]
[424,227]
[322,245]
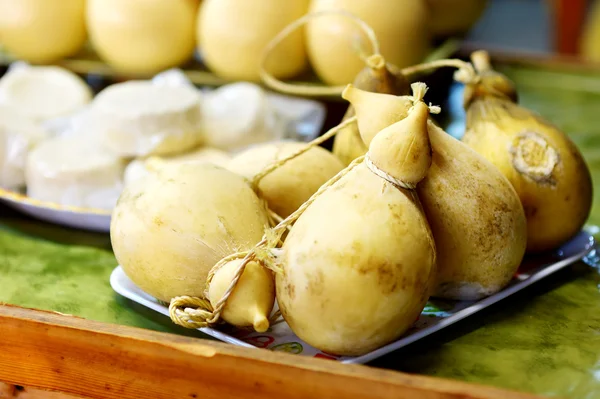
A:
[545,340]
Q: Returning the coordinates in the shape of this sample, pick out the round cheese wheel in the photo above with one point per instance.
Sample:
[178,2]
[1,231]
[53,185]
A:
[138,118]
[43,92]
[42,31]
[142,36]
[76,171]
[237,115]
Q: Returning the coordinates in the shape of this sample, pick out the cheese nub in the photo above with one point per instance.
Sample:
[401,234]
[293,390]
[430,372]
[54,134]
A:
[18,135]
[76,171]
[139,168]
[138,118]
[238,115]
[43,92]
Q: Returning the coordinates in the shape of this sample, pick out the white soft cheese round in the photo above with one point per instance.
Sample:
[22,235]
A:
[139,118]
[237,115]
[43,92]
[76,171]
[18,135]
[139,168]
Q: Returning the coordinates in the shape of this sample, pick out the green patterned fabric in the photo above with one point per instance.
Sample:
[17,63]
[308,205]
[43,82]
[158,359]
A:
[43,266]
[545,340]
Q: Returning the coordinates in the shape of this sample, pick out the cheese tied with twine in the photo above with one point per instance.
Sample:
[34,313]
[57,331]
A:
[403,149]
[358,264]
[270,252]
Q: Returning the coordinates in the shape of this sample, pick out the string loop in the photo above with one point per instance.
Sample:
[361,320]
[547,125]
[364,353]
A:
[315,91]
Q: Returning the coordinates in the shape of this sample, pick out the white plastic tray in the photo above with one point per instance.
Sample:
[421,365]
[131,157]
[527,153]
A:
[436,316]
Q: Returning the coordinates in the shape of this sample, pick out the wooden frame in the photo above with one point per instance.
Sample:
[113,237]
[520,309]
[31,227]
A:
[45,351]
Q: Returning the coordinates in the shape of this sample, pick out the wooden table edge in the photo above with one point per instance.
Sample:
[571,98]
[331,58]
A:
[78,357]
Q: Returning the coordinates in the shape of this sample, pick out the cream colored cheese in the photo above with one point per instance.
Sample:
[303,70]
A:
[18,135]
[237,115]
[74,170]
[43,92]
[138,118]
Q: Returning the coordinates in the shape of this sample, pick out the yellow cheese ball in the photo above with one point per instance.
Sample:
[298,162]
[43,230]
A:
[292,184]
[42,31]
[332,41]
[233,33]
[142,36]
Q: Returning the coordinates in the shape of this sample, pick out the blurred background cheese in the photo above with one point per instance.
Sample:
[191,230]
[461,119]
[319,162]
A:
[74,171]
[333,42]
[233,33]
[18,135]
[43,92]
[42,31]
[138,118]
[237,115]
[142,36]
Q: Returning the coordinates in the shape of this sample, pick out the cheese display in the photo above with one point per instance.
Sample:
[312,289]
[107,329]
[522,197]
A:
[43,92]
[62,146]
[75,171]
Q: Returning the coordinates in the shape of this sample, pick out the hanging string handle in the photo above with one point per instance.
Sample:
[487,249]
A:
[306,90]
[465,72]
[318,141]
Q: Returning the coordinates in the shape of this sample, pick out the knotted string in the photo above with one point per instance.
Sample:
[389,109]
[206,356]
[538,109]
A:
[194,312]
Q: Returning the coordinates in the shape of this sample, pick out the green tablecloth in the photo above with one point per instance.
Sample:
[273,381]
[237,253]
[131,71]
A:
[545,340]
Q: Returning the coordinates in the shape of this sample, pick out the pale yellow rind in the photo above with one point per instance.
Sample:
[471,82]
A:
[376,111]
[42,31]
[464,197]
[556,206]
[358,266]
[142,36]
[252,300]
[403,149]
[171,227]
[476,217]
[233,34]
[290,185]
[335,43]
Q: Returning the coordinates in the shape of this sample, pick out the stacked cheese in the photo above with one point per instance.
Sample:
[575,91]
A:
[69,148]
